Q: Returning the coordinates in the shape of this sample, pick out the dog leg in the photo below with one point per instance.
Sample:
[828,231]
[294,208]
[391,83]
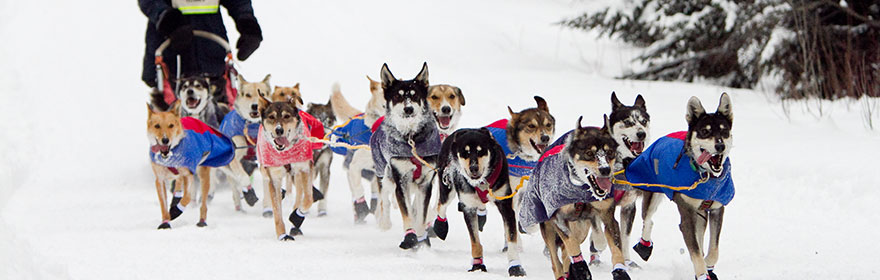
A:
[384,217]
[627,217]
[548,232]
[612,236]
[324,184]
[354,176]
[410,238]
[577,233]
[303,183]
[470,220]
[441,226]
[511,236]
[421,201]
[267,204]
[650,201]
[184,181]
[598,243]
[204,174]
[688,228]
[716,217]
[274,195]
[160,190]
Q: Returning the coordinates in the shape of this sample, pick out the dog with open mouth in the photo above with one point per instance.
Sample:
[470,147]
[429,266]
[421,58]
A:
[179,149]
[405,148]
[570,186]
[284,151]
[446,102]
[473,164]
[699,159]
[357,131]
[199,100]
[242,124]
[630,127]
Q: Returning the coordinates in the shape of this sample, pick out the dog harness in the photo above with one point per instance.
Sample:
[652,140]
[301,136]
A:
[201,145]
[517,166]
[234,125]
[354,132]
[490,181]
[655,166]
[384,147]
[300,151]
[550,188]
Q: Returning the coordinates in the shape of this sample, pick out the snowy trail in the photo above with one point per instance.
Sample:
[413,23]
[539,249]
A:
[77,199]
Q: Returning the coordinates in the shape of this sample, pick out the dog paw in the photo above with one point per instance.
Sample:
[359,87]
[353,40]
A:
[619,274]
[267,213]
[295,231]
[285,237]
[164,225]
[297,218]
[316,194]
[712,275]
[643,250]
[632,264]
[478,267]
[201,223]
[360,212]
[594,260]
[481,221]
[441,228]
[579,271]
[373,203]
[322,213]
[409,241]
[250,196]
[516,271]
[175,211]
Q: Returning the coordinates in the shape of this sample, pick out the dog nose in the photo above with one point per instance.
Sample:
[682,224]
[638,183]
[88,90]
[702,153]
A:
[719,147]
[254,107]
[545,138]
[279,131]
[446,109]
[641,135]
[165,140]
[474,169]
[190,92]
[605,171]
[408,110]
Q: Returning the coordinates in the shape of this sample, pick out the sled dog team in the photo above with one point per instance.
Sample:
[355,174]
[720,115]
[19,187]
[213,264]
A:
[405,143]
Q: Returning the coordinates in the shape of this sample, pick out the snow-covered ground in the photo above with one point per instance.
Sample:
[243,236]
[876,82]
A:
[77,199]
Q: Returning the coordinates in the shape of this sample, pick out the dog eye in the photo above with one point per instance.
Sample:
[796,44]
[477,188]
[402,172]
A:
[157,126]
[704,131]
[452,96]
[532,126]
[171,125]
[435,97]
[590,154]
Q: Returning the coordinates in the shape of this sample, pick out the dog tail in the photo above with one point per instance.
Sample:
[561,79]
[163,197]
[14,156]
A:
[341,108]
[157,100]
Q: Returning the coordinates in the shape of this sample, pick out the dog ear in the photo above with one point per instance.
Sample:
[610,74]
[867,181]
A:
[579,126]
[542,105]
[724,107]
[175,108]
[422,77]
[640,102]
[296,86]
[460,96]
[386,76]
[241,78]
[263,103]
[150,110]
[512,114]
[374,85]
[615,103]
[266,79]
[694,109]
[605,126]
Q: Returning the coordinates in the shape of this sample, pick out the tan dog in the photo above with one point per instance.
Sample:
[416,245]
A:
[446,102]
[287,93]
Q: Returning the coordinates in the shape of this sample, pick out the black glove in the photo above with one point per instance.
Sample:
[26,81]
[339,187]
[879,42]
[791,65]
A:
[251,36]
[173,24]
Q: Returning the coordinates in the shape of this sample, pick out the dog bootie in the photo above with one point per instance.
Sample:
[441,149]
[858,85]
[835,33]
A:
[481,218]
[712,275]
[283,193]
[579,269]
[644,249]
[409,240]
[619,274]
[267,213]
[424,241]
[478,265]
[296,217]
[202,223]
[515,269]
[285,237]
[165,225]
[373,203]
[360,211]
[250,196]
[316,194]
[441,228]
[176,210]
[594,259]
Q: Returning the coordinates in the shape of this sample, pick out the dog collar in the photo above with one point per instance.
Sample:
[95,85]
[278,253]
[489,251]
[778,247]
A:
[484,194]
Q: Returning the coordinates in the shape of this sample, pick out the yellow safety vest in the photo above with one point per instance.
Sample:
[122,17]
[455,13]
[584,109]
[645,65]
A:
[197,7]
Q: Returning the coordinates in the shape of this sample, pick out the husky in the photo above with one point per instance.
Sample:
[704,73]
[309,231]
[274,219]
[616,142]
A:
[323,157]
[570,186]
[446,102]
[243,125]
[630,128]
[199,100]
[287,93]
[357,131]
[475,165]
[284,151]
[405,149]
[179,149]
[698,158]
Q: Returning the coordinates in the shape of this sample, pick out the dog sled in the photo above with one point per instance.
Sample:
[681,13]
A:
[230,75]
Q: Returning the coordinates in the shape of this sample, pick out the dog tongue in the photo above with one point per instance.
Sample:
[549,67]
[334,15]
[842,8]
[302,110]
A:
[604,183]
[158,148]
[637,146]
[445,120]
[281,141]
[192,102]
[705,156]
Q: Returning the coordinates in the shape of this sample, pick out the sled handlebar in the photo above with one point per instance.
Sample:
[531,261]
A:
[198,33]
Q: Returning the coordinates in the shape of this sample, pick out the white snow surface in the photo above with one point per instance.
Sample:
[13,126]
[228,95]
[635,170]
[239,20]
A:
[77,199]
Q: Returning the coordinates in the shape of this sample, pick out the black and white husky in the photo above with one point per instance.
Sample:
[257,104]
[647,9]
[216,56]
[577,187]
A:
[408,126]
[473,163]
[198,100]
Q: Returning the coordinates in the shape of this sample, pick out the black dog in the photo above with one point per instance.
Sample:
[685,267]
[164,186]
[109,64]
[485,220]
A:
[474,163]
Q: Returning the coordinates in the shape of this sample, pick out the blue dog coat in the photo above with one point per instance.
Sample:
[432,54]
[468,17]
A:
[517,166]
[354,133]
[664,152]
[233,125]
[550,188]
[201,146]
